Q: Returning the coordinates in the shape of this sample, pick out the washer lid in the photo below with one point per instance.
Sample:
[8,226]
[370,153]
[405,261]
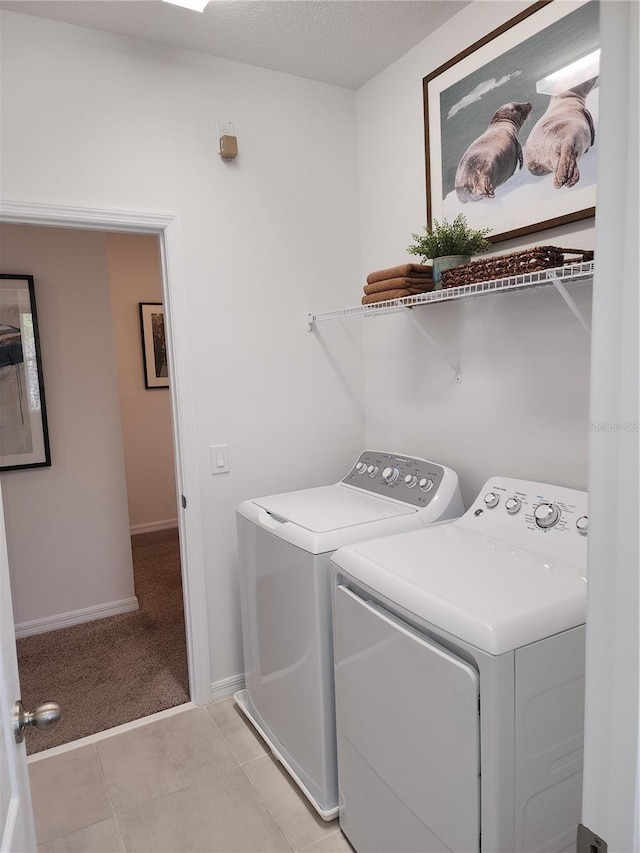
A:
[327,508]
[495,596]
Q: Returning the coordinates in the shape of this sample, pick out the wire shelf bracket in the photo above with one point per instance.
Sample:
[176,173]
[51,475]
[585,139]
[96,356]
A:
[558,283]
[428,337]
[558,277]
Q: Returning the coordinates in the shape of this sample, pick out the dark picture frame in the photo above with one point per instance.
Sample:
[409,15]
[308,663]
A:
[24,433]
[154,345]
[513,64]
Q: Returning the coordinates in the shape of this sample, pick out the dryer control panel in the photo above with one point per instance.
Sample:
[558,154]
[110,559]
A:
[551,520]
[405,478]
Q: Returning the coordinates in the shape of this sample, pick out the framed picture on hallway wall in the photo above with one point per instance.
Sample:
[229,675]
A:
[511,124]
[24,437]
[154,346]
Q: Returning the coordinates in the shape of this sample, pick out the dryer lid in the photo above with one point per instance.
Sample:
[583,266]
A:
[327,508]
[496,596]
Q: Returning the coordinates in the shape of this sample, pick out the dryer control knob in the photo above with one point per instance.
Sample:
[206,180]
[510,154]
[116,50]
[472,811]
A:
[546,515]
[372,470]
[491,499]
[361,467]
[583,524]
[426,484]
[512,505]
[390,475]
[411,480]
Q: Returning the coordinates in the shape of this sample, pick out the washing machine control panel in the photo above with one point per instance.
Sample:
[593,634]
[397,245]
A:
[547,519]
[406,478]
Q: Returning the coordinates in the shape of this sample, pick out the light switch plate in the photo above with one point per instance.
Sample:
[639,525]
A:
[219,458]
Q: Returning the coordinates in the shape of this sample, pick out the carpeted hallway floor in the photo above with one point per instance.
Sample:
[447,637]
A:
[111,671]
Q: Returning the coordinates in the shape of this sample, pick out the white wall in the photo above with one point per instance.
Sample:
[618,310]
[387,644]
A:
[92,119]
[522,407]
[67,525]
[135,276]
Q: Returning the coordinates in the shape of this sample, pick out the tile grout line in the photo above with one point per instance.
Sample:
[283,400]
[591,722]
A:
[87,825]
[293,847]
[113,808]
[310,847]
[269,754]
[235,754]
[209,776]
[266,804]
[145,802]
[249,728]
[251,783]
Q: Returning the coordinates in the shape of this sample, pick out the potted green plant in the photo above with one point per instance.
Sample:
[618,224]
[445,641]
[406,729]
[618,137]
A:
[449,244]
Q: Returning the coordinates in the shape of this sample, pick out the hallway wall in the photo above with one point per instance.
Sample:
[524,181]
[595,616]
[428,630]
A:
[67,525]
[135,276]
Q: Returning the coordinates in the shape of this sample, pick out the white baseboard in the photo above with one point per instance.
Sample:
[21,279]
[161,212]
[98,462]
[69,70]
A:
[226,687]
[167,524]
[76,617]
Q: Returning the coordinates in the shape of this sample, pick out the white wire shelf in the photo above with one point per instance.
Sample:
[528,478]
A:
[557,275]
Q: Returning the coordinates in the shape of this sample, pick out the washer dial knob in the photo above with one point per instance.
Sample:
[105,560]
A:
[491,499]
[410,480]
[512,505]
[390,475]
[361,467]
[426,484]
[372,470]
[583,524]
[546,515]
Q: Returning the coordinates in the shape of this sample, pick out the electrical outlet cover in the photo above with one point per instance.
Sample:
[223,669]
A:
[224,128]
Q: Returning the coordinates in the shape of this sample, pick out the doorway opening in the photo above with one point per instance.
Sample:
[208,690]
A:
[103,669]
[177,547]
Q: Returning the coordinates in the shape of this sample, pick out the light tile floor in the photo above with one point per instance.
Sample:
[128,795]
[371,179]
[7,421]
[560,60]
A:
[200,780]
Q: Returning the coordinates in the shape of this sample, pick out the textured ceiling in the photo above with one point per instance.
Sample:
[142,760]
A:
[345,42]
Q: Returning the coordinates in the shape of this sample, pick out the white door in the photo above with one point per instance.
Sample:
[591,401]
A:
[17,831]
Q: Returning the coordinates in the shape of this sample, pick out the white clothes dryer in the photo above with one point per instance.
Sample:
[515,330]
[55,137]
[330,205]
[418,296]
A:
[285,544]
[459,678]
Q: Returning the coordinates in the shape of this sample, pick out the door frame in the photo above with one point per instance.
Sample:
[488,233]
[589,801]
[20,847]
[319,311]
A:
[167,227]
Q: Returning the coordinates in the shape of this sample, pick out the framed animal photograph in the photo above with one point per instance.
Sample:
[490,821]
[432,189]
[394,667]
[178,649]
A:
[24,437]
[511,124]
[154,345]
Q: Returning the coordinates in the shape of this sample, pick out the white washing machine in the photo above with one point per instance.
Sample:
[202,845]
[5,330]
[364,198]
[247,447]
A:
[285,545]
[459,678]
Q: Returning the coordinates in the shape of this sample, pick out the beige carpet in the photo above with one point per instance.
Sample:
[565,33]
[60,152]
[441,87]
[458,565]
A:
[111,671]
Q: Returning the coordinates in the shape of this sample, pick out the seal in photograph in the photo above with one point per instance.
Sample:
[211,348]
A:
[494,156]
[561,136]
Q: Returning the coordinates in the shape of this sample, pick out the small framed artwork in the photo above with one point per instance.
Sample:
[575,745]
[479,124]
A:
[24,437]
[154,345]
[511,124]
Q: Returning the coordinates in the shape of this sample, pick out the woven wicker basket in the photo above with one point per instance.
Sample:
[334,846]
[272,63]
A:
[516,263]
